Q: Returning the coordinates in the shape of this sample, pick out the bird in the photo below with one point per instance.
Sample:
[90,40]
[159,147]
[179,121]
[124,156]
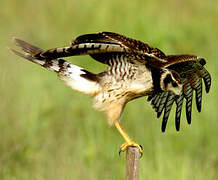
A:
[134,69]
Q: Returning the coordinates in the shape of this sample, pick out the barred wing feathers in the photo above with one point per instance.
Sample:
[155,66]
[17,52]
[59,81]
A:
[101,46]
[191,71]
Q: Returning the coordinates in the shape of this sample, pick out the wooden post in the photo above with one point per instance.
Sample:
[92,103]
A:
[132,163]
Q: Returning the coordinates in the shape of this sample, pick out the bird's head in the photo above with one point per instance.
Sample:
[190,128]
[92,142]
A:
[171,81]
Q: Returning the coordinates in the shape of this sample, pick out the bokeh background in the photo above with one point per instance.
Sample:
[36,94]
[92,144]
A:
[47,131]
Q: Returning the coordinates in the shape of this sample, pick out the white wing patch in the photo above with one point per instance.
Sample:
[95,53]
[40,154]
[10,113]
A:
[72,78]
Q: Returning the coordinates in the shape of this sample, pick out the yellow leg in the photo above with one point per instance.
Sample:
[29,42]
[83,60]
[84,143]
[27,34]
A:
[129,142]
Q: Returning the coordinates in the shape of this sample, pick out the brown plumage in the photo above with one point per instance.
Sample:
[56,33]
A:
[135,69]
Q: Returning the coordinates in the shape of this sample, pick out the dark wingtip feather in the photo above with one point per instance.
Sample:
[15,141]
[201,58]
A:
[179,102]
[165,119]
[198,94]
[188,96]
[167,109]
[188,116]
[163,127]
[198,104]
[207,90]
[159,114]
[198,107]
[177,126]
[207,82]
[164,122]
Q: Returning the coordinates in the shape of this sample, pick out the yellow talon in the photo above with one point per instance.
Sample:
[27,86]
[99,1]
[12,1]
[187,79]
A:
[125,145]
[128,142]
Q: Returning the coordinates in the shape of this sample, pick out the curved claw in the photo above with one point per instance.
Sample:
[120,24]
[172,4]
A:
[124,146]
[141,153]
[120,151]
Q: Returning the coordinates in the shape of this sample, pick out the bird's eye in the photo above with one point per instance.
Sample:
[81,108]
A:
[174,84]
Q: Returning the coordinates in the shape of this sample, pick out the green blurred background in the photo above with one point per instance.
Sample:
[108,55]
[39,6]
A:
[48,131]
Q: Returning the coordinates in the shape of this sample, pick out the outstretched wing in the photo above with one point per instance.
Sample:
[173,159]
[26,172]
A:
[101,46]
[191,70]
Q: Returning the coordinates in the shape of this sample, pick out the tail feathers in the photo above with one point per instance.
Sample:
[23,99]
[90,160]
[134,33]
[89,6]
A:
[74,76]
[26,47]
[29,53]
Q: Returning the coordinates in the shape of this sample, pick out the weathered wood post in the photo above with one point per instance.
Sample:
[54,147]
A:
[132,163]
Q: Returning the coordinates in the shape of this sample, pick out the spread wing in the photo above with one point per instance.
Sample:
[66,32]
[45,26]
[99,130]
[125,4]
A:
[191,70]
[101,46]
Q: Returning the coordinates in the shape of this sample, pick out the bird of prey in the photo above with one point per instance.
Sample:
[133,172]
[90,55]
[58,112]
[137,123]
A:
[134,69]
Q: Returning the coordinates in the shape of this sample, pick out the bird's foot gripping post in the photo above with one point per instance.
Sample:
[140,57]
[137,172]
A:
[133,153]
[129,142]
